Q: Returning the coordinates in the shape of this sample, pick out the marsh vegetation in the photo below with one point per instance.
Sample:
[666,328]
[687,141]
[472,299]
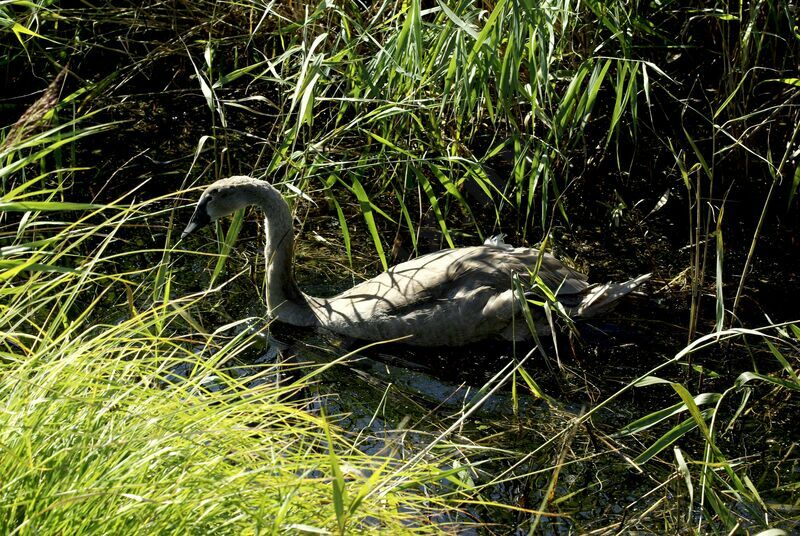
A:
[140,394]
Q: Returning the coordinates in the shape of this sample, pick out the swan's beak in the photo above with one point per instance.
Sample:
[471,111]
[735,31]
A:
[199,219]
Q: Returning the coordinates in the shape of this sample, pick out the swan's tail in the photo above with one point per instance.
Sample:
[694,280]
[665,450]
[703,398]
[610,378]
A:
[601,298]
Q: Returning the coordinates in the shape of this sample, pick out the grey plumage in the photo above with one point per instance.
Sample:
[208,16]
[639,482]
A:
[448,298]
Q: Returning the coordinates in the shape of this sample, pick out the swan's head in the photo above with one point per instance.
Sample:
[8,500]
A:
[220,199]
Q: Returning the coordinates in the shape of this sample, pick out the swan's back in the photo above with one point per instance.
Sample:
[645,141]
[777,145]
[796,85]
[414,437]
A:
[450,297]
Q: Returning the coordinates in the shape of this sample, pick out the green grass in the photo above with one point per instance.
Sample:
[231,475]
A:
[130,398]
[120,413]
[137,423]
[102,436]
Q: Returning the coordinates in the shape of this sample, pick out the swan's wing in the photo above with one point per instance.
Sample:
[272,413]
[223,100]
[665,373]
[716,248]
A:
[448,274]
[397,291]
[447,297]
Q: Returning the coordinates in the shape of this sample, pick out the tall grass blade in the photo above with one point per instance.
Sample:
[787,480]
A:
[369,218]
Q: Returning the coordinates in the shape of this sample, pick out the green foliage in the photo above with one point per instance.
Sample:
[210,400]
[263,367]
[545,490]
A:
[722,480]
[122,414]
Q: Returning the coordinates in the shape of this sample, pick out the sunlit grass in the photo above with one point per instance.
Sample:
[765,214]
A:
[144,426]
[119,415]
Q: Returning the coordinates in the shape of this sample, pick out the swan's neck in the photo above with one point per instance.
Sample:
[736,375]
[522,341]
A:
[285,302]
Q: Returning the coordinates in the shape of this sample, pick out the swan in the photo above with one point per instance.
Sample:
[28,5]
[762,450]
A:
[448,298]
